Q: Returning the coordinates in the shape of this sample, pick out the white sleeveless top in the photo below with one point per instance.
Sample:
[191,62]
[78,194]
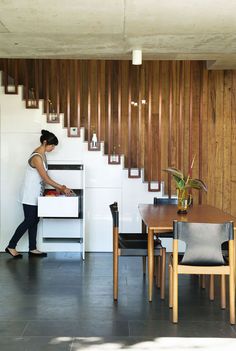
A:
[33,185]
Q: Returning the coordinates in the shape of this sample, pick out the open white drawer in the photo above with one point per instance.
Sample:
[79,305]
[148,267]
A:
[58,206]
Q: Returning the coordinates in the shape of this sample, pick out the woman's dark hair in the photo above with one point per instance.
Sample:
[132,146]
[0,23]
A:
[49,137]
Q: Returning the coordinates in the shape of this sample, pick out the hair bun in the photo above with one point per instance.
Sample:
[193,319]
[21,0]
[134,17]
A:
[49,137]
[43,131]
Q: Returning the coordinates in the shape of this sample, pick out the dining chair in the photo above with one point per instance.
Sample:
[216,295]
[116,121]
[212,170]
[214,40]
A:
[131,244]
[165,201]
[169,235]
[203,255]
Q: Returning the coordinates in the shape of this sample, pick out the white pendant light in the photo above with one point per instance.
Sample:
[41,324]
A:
[137,57]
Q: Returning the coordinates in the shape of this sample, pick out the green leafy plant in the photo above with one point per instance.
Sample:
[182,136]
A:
[185,182]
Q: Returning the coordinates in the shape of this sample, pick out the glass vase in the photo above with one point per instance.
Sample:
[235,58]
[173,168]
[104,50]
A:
[183,200]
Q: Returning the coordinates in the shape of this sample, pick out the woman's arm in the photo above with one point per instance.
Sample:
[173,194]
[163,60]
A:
[37,163]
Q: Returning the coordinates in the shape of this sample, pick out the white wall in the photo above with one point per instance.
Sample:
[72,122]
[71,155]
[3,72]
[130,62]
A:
[104,184]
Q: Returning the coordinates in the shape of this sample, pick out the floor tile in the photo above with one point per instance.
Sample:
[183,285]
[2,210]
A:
[35,344]
[12,328]
[98,327]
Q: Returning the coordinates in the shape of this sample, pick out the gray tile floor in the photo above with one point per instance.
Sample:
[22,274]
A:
[63,303]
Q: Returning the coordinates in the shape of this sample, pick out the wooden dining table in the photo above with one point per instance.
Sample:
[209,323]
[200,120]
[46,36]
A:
[159,218]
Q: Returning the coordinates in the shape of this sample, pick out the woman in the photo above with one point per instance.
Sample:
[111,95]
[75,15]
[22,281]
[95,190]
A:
[33,187]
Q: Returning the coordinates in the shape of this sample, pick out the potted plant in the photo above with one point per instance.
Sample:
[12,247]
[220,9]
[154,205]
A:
[183,184]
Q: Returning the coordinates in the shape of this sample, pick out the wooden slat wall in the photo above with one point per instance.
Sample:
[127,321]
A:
[191,112]
[231,164]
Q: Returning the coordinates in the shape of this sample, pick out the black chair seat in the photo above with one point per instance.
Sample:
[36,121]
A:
[132,244]
[166,235]
[180,257]
[133,236]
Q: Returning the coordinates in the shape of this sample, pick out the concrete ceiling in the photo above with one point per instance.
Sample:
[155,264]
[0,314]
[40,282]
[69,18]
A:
[111,29]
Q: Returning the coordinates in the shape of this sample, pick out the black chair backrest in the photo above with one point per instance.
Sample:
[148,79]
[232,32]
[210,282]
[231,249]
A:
[165,201]
[115,214]
[203,241]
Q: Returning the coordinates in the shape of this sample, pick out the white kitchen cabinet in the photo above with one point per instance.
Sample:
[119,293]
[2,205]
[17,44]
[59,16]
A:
[63,216]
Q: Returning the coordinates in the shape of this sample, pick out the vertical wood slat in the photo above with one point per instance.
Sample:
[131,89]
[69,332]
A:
[115,158]
[219,142]
[103,102]
[200,132]
[109,108]
[58,91]
[90,76]
[98,89]
[47,103]
[211,137]
[129,120]
[227,130]
[180,130]
[130,170]
[98,145]
[159,126]
[150,133]
[170,124]
[119,111]
[8,88]
[5,74]
[68,98]
[190,118]
[36,81]
[89,105]
[63,89]
[139,153]
[129,117]
[41,81]
[139,118]
[204,138]
[99,72]
[53,116]
[32,93]
[142,127]
[56,111]
[76,100]
[79,81]
[26,84]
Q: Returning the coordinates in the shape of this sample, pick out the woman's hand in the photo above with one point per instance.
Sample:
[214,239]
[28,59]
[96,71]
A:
[66,191]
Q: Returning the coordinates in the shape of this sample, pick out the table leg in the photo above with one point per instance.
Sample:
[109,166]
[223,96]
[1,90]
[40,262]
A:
[235,255]
[144,228]
[150,262]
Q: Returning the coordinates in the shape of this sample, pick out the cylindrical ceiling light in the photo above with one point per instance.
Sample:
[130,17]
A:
[137,57]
